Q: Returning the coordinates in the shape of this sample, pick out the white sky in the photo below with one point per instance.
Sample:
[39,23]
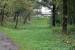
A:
[45,10]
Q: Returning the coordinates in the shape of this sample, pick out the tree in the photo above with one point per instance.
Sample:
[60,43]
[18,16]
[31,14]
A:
[54,15]
[65,16]
[49,4]
[71,12]
[3,5]
[16,15]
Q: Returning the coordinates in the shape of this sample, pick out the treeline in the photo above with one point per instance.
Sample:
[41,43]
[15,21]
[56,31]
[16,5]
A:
[62,12]
[15,9]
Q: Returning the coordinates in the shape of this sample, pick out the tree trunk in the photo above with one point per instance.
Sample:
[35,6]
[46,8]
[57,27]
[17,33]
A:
[2,19]
[70,20]
[64,26]
[25,19]
[29,18]
[16,21]
[53,15]
[2,16]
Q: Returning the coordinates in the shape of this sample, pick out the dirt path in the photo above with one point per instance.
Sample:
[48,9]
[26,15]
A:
[6,43]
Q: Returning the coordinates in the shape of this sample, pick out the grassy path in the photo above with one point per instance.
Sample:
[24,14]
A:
[37,36]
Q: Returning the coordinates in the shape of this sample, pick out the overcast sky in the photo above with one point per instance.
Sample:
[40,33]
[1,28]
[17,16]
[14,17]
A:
[45,10]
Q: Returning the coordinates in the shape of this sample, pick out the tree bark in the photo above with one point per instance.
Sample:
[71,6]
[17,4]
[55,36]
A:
[53,15]
[2,16]
[25,20]
[16,21]
[2,19]
[29,18]
[64,25]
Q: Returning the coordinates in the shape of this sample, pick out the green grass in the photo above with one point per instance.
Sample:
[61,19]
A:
[37,36]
